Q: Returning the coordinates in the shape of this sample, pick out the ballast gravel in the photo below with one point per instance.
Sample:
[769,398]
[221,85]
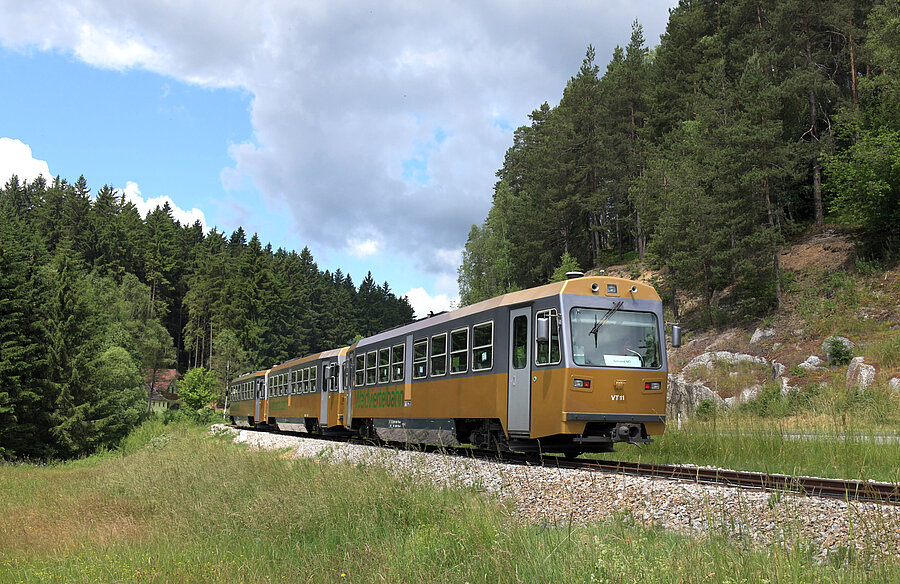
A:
[560,496]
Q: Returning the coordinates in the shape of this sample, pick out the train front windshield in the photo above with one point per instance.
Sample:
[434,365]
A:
[615,338]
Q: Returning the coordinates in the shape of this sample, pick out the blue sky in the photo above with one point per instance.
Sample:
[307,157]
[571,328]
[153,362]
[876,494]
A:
[369,132]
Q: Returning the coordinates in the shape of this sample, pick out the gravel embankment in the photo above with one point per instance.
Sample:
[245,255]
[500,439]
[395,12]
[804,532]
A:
[552,495]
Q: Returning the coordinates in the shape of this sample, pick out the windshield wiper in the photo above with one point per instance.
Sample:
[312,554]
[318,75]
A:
[594,331]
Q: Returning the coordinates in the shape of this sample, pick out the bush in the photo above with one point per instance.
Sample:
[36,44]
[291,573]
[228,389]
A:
[198,389]
[706,409]
[838,352]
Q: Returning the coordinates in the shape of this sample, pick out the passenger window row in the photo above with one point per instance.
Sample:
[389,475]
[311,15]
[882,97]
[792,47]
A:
[242,391]
[430,356]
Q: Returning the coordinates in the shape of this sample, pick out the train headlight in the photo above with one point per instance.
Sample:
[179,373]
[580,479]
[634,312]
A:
[652,385]
[583,383]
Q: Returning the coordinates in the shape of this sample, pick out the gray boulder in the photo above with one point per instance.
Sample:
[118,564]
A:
[785,386]
[747,394]
[707,359]
[762,335]
[684,397]
[813,363]
[894,385]
[859,374]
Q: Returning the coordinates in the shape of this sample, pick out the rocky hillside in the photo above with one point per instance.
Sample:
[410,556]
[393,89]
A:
[839,327]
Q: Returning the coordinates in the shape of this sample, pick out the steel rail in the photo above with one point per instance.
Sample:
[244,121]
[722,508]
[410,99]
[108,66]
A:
[847,490]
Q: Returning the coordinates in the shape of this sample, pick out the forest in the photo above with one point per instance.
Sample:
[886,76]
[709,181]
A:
[750,122]
[94,299]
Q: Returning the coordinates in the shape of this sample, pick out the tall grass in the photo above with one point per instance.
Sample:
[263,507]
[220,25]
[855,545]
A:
[181,506]
[773,449]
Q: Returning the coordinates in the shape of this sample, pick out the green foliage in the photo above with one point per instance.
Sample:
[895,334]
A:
[706,409]
[769,403]
[566,264]
[198,389]
[885,352]
[93,297]
[839,353]
[703,154]
[865,182]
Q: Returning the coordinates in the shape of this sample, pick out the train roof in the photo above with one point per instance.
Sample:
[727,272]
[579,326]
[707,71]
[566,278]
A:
[581,286]
[309,358]
[251,375]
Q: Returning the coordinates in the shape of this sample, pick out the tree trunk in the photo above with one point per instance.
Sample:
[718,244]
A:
[813,132]
[817,192]
[853,79]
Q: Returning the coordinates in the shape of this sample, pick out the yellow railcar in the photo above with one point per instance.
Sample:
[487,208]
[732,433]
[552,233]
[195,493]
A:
[573,366]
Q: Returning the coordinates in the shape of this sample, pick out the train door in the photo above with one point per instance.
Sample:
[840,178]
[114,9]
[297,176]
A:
[326,382]
[519,391]
[347,380]
[260,396]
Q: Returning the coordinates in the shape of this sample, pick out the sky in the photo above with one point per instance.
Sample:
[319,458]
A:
[368,131]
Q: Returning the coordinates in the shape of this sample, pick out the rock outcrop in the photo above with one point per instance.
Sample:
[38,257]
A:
[813,363]
[762,335]
[859,374]
[684,397]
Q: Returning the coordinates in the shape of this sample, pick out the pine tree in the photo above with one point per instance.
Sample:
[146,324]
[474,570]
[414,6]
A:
[23,390]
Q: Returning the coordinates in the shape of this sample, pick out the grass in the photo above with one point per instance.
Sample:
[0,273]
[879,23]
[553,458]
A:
[822,429]
[832,301]
[729,379]
[775,449]
[176,505]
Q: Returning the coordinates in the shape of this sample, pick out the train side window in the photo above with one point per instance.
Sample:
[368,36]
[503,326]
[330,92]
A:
[520,342]
[370,368]
[397,357]
[333,375]
[384,365]
[420,359]
[459,351]
[312,379]
[547,351]
[483,346]
[439,355]
[360,372]
[306,380]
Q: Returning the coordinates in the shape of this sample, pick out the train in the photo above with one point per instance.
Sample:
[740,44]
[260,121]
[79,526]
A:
[568,367]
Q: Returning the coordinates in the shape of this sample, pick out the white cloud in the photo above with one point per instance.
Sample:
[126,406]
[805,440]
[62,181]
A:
[144,206]
[16,159]
[424,303]
[114,49]
[362,248]
[345,91]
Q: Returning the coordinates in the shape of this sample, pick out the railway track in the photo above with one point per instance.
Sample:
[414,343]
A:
[848,490]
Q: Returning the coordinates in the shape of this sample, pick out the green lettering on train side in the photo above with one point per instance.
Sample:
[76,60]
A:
[387,397]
